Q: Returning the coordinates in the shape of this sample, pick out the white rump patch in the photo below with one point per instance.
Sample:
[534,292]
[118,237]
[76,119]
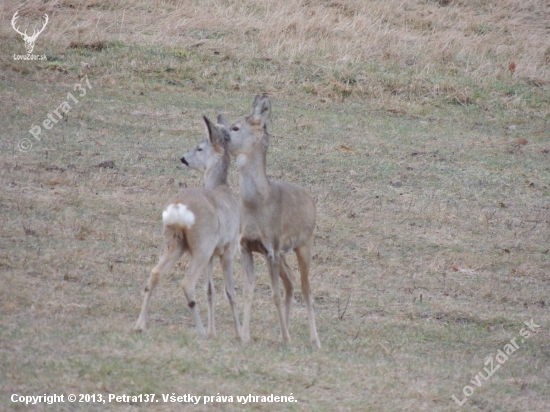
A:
[178,214]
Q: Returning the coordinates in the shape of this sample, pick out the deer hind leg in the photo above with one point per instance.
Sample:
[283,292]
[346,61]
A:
[273,264]
[172,250]
[210,294]
[248,266]
[227,268]
[303,254]
[198,265]
[285,272]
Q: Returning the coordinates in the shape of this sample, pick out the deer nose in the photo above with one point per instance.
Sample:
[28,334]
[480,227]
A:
[184,161]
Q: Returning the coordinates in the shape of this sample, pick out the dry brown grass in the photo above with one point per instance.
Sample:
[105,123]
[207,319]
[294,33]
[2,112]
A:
[419,33]
[429,163]
[389,50]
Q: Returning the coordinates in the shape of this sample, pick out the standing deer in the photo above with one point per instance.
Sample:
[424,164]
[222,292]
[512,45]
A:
[29,40]
[205,223]
[276,217]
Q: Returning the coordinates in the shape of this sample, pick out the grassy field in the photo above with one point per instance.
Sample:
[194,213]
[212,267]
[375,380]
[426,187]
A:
[422,130]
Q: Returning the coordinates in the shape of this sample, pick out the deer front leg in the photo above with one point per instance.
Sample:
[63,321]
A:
[248,266]
[273,262]
[227,268]
[210,294]
[287,277]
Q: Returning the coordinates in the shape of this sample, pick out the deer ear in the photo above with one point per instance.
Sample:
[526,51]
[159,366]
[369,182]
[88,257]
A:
[261,109]
[215,137]
[209,127]
[222,121]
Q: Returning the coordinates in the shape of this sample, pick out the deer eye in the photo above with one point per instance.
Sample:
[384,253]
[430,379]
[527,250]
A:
[235,128]
[199,149]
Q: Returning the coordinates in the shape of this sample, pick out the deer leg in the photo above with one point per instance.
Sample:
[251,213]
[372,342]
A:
[198,264]
[285,272]
[248,266]
[172,251]
[210,294]
[227,268]
[273,264]
[303,254]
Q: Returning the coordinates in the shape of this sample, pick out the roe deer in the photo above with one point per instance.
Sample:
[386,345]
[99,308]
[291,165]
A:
[276,217]
[205,223]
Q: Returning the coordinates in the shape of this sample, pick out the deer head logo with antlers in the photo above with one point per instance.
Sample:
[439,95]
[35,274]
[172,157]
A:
[29,40]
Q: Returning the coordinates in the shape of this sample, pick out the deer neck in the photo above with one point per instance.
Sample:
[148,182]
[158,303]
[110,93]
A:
[216,175]
[253,181]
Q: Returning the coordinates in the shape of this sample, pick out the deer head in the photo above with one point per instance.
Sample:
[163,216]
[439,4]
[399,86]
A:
[29,40]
